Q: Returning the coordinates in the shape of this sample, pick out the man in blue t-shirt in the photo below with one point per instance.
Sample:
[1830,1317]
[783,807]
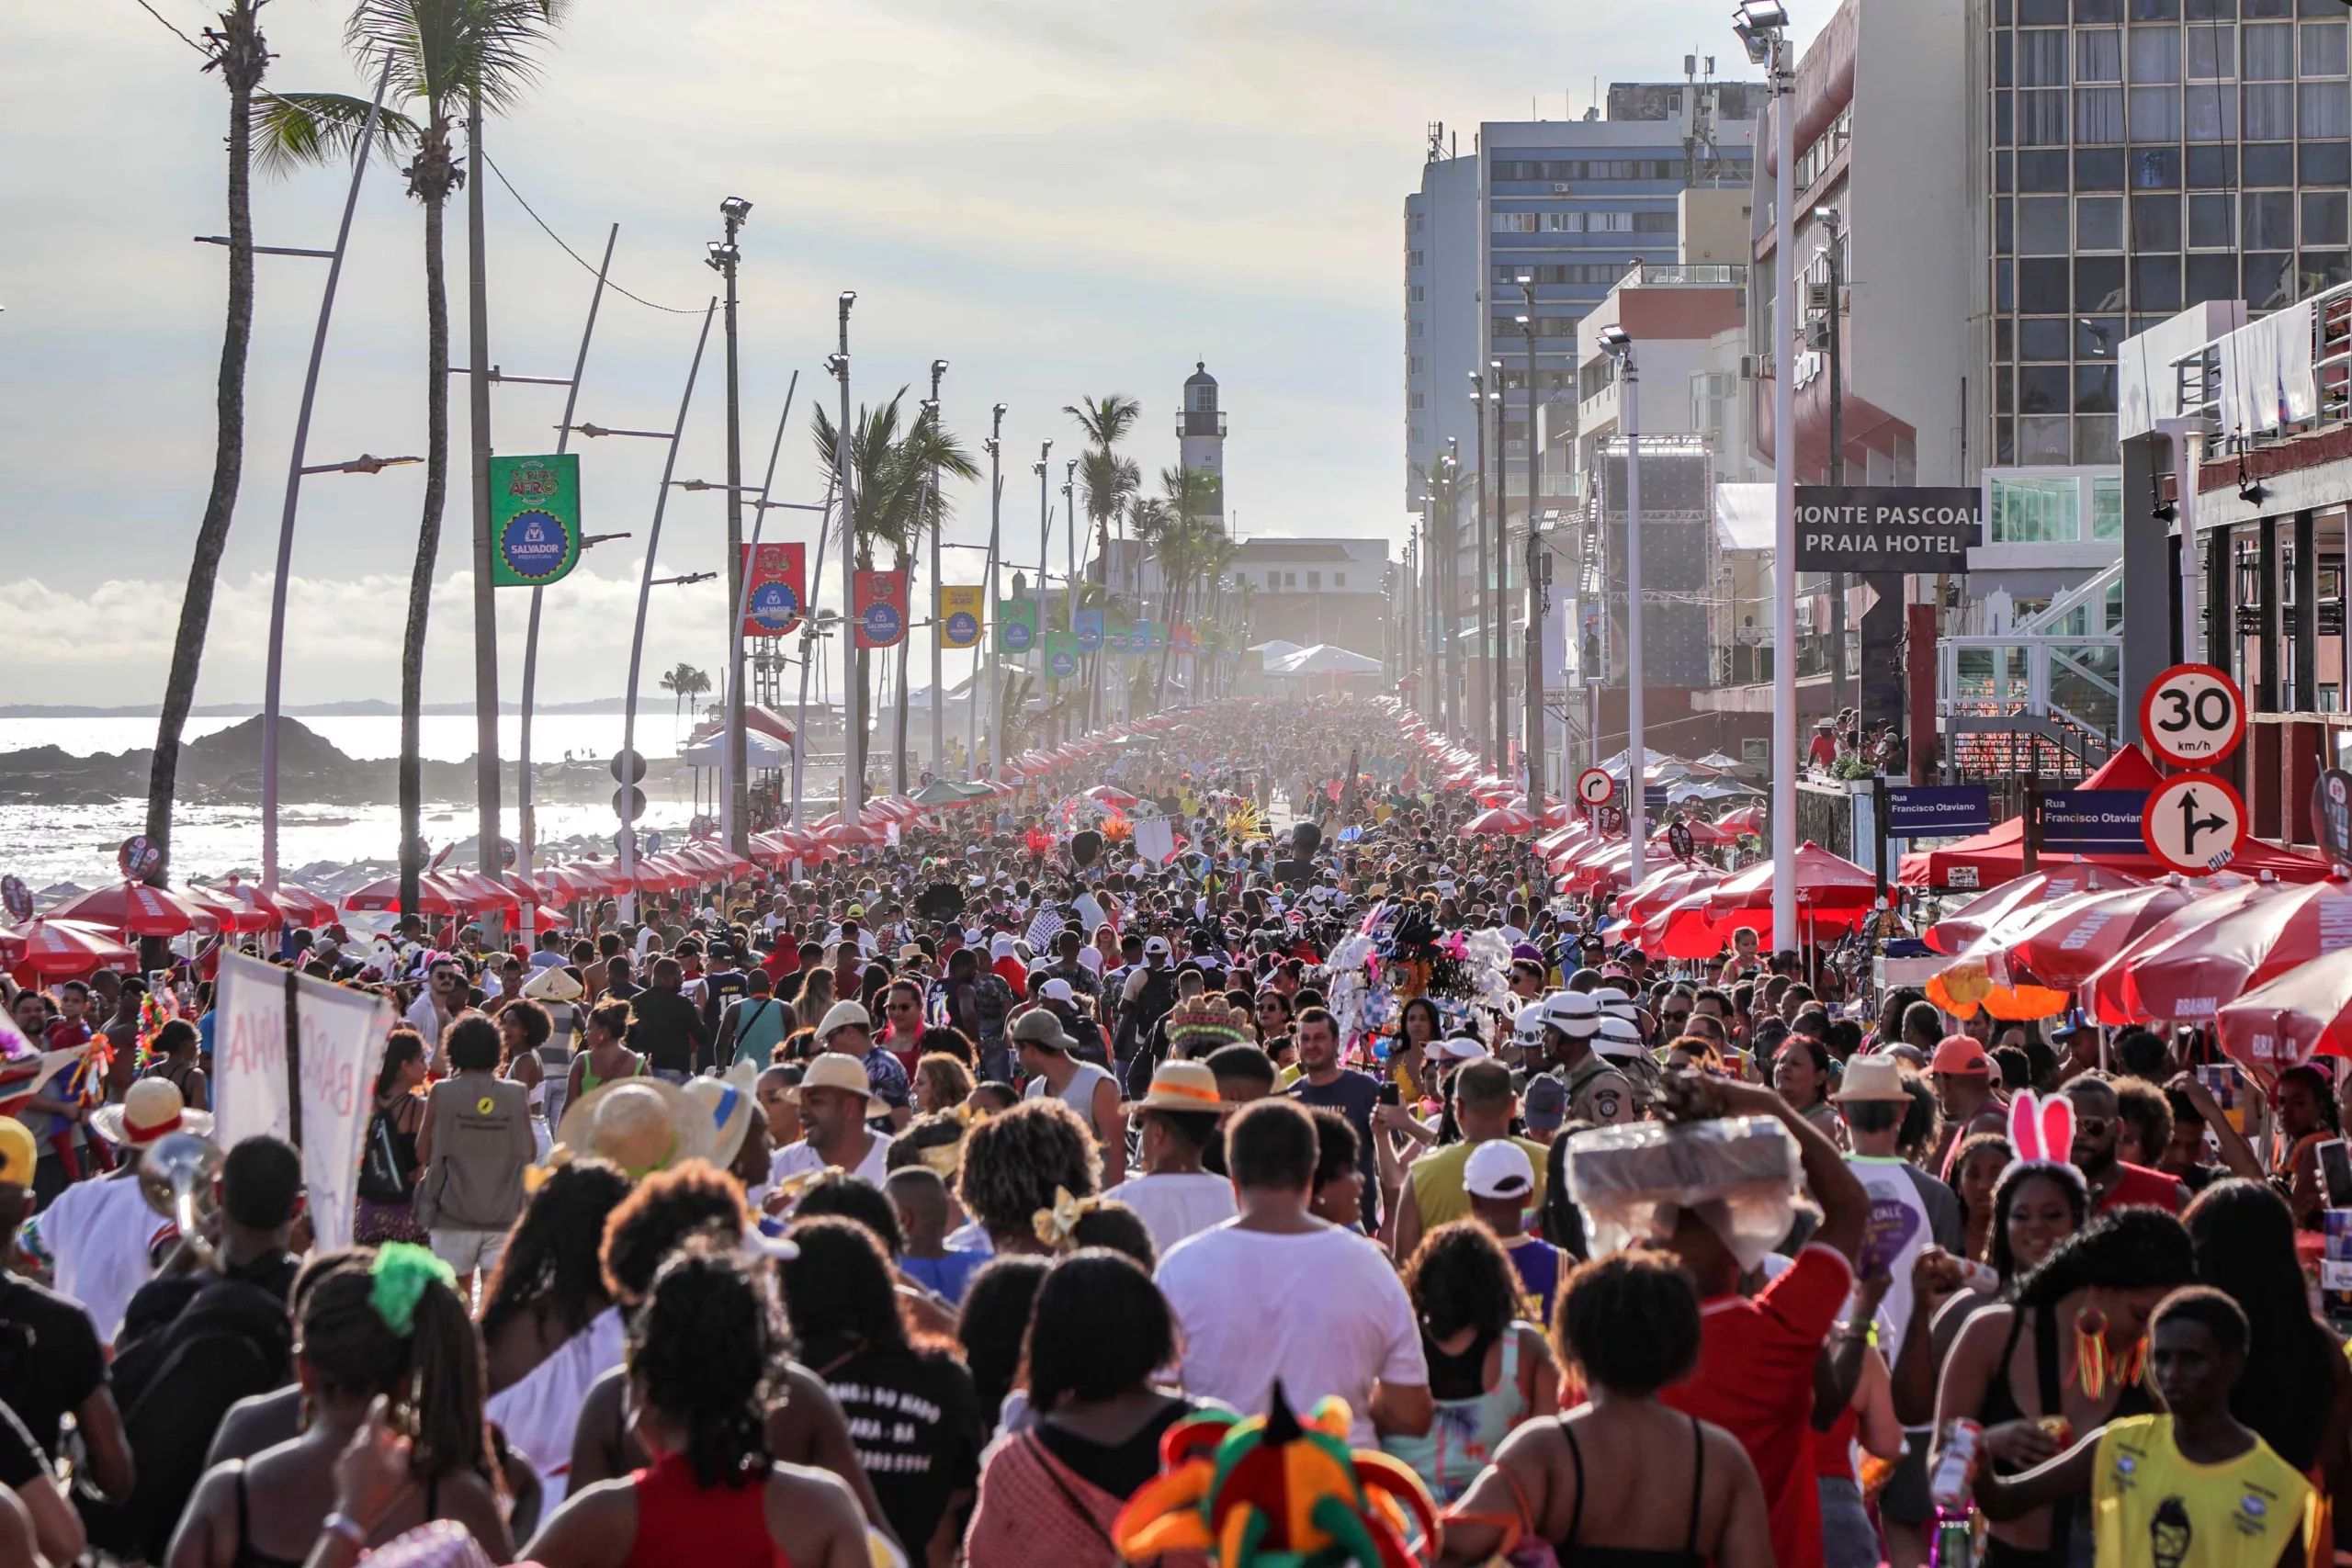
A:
[1323,1082]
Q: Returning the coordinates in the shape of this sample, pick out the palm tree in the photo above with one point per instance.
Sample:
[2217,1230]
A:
[1187,529]
[282,132]
[893,503]
[684,682]
[448,55]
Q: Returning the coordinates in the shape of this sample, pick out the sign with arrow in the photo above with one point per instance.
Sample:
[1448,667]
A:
[2194,823]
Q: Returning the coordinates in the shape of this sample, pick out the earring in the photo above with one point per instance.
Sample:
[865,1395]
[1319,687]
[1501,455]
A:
[2090,1353]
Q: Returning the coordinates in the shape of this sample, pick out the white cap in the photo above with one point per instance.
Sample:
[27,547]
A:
[1459,1048]
[1156,947]
[1499,1169]
[1055,990]
[1573,1013]
[1001,945]
[1617,1037]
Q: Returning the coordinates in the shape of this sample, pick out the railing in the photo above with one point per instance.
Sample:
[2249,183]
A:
[1671,275]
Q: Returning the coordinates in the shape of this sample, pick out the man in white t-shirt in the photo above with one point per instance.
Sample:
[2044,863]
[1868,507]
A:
[100,1236]
[1277,1294]
[1178,1198]
[836,1101]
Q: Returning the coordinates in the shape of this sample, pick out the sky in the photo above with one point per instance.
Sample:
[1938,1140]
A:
[1059,198]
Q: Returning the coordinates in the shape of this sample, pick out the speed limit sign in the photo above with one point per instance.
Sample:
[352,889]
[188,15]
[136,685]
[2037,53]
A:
[2192,715]
[1595,787]
[2194,823]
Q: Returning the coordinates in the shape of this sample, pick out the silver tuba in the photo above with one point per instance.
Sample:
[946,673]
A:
[176,1178]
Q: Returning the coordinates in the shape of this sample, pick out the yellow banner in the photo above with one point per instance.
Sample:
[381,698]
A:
[959,617]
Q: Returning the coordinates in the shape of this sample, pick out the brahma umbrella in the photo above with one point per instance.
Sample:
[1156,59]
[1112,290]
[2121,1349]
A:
[2108,990]
[2187,979]
[2304,1012]
[1979,914]
[135,909]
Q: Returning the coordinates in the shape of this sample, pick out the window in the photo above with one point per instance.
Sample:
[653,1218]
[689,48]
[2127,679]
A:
[2155,54]
[2098,55]
[2042,340]
[2323,48]
[1413,258]
[1664,222]
[2212,54]
[2042,226]
[2269,51]
[1419,294]
[2042,119]
[2325,110]
[2098,114]
[2155,114]
[1314,582]
[2269,111]
[1416,328]
[2269,218]
[2099,223]
[2213,112]
[1515,223]
[2324,218]
[2041,59]
[1420,399]
[1290,579]
[2155,222]
[1339,580]
[2212,224]
[2107,522]
[2035,512]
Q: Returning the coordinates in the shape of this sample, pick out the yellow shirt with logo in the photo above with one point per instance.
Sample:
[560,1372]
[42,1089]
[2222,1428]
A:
[2152,1508]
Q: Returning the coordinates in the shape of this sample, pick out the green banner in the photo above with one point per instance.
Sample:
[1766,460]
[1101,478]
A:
[1016,625]
[534,519]
[1062,654]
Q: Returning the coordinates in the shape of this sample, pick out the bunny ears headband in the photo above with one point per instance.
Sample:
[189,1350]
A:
[2042,1136]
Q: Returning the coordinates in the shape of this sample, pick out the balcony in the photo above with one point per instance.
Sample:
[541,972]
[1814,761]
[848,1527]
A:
[1211,423]
[1648,274]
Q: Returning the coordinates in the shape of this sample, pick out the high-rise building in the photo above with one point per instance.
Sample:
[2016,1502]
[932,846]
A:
[1569,205]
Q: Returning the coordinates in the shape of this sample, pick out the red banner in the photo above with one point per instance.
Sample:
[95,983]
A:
[773,593]
[1181,635]
[879,602]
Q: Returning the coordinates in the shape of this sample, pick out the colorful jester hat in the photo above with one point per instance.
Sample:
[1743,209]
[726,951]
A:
[1269,1493]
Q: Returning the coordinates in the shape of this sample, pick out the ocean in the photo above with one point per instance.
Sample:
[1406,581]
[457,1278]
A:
[47,845]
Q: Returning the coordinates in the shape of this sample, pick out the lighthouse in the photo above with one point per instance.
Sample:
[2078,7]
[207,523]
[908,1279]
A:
[1200,432]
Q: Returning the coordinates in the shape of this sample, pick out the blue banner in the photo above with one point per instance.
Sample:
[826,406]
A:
[2093,821]
[1923,811]
[1088,625]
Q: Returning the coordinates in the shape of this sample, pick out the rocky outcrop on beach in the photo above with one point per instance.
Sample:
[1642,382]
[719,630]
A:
[224,768]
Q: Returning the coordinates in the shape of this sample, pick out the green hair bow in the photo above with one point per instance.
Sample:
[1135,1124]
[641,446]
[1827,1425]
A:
[402,1272]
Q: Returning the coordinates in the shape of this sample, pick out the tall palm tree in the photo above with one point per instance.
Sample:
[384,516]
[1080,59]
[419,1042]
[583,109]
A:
[684,682]
[281,133]
[893,504]
[1188,528]
[447,55]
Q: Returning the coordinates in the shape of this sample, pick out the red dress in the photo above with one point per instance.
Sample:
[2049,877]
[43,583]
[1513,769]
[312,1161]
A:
[682,1524]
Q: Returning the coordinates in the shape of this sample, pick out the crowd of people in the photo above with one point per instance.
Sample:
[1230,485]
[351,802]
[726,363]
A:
[897,1205]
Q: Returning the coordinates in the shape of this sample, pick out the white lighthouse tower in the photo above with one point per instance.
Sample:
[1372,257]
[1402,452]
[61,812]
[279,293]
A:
[1200,431]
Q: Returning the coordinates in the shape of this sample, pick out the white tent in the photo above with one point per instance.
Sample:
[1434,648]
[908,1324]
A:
[759,750]
[1323,658]
[1277,650]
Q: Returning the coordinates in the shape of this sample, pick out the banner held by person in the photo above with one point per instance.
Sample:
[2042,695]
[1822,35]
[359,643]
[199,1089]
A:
[341,1046]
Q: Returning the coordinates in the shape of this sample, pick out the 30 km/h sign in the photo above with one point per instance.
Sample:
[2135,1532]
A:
[2192,715]
[1595,787]
[2194,823]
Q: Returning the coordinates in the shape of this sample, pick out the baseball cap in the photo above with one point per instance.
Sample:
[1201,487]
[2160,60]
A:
[1055,990]
[1544,1102]
[1499,1169]
[1156,947]
[1962,1054]
[1459,1048]
[1038,1027]
[843,1015]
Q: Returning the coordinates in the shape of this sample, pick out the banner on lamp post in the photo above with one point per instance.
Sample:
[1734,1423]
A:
[322,1104]
[959,615]
[881,608]
[1016,625]
[1088,626]
[534,519]
[1062,654]
[773,592]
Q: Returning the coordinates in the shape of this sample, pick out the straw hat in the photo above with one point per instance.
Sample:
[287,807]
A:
[1871,1078]
[731,1103]
[1180,1085]
[553,984]
[642,1124]
[831,1069]
[152,1109]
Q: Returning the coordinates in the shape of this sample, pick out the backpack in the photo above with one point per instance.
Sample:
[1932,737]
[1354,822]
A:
[1154,1002]
[991,999]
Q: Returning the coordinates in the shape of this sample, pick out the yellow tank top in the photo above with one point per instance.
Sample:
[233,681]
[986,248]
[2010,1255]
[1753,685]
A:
[2152,1508]
[1437,1178]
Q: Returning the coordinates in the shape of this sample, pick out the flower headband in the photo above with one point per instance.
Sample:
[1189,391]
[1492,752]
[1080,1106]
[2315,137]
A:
[1055,1225]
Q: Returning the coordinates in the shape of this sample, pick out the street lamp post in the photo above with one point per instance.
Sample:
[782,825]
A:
[992,656]
[1492,643]
[1044,521]
[1763,28]
[273,682]
[1533,747]
[853,690]
[1619,346]
[726,258]
[938,675]
[628,840]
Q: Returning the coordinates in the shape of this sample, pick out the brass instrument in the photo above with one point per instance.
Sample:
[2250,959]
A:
[176,1177]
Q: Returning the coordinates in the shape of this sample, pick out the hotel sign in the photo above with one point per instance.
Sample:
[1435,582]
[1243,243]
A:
[1872,528]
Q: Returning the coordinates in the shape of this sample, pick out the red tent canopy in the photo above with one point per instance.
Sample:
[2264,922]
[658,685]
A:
[767,721]
[1831,891]
[54,949]
[1999,856]
[133,909]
